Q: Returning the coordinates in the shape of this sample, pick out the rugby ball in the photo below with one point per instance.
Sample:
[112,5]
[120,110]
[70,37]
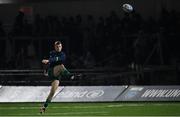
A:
[127,8]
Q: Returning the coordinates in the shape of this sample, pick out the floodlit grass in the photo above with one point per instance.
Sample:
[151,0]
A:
[93,109]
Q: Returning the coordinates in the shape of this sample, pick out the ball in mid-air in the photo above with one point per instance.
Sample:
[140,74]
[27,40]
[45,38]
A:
[127,8]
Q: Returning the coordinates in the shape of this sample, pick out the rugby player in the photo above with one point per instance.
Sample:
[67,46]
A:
[56,70]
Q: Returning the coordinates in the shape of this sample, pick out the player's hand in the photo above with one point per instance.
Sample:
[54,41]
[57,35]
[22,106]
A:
[45,61]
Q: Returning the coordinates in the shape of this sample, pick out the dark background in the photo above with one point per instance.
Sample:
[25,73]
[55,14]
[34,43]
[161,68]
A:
[96,34]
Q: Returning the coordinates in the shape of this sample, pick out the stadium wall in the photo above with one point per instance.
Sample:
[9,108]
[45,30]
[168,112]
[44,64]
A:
[90,93]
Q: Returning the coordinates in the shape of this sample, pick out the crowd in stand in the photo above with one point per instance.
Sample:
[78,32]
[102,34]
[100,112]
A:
[111,41]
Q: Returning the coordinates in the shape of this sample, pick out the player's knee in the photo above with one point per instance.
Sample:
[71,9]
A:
[52,93]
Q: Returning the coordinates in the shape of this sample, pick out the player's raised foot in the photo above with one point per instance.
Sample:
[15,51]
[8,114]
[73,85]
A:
[42,110]
[72,77]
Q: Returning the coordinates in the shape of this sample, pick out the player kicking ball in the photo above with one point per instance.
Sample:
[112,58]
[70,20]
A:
[56,71]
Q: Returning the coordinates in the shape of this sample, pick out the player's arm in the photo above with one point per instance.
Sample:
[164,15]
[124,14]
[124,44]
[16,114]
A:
[46,61]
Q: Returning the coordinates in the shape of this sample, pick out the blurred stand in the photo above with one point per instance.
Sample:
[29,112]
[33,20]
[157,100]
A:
[113,42]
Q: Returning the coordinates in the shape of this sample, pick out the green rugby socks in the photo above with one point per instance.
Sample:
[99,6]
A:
[46,103]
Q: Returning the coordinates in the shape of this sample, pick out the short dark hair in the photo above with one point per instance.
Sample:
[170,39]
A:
[57,42]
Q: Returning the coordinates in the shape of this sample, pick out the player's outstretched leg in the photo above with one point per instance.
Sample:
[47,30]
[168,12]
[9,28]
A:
[54,86]
[65,73]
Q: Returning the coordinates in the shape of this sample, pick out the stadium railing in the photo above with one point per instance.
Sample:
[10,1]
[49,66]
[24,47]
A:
[151,75]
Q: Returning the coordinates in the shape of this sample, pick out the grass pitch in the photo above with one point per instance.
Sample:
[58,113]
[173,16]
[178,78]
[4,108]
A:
[93,109]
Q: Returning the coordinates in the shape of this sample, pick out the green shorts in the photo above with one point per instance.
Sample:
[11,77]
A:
[51,75]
